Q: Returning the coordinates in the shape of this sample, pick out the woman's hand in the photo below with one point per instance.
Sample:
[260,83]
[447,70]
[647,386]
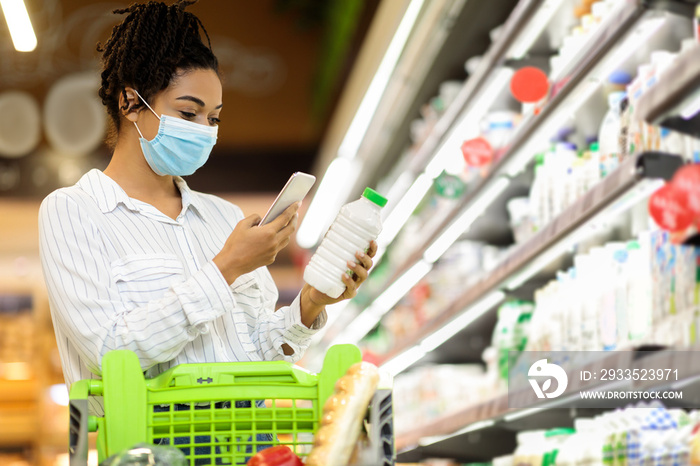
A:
[250,246]
[313,301]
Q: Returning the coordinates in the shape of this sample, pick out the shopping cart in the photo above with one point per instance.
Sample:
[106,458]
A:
[193,407]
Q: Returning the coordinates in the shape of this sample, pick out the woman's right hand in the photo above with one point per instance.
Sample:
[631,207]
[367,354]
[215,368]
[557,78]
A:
[250,246]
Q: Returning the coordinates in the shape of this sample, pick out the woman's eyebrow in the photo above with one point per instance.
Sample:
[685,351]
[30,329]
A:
[199,102]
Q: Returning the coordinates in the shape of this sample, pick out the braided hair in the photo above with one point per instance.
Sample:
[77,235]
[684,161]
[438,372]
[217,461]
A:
[146,50]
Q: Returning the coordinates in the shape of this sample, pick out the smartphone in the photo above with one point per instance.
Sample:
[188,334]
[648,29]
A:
[298,185]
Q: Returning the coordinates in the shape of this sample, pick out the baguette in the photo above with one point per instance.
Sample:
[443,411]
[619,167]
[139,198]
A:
[343,413]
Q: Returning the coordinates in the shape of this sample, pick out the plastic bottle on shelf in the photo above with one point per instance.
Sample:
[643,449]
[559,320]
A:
[590,438]
[522,325]
[608,136]
[589,280]
[639,289]
[537,194]
[554,440]
[592,167]
[620,256]
[504,335]
[634,144]
[617,81]
[356,225]
[694,452]
[523,450]
[560,163]
[609,282]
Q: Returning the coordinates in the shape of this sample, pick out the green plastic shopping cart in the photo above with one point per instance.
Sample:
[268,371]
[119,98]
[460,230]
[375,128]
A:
[194,405]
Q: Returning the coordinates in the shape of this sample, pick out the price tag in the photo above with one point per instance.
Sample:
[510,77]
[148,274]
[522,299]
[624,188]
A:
[477,152]
[669,210]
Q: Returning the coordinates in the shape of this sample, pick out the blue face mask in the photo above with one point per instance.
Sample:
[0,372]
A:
[180,147]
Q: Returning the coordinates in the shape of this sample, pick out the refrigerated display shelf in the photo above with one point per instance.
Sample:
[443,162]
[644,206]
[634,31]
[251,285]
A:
[609,193]
[494,424]
[522,13]
[605,40]
[674,102]
[621,25]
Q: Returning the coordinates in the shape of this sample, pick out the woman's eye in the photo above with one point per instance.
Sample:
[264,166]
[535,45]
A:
[188,115]
[214,121]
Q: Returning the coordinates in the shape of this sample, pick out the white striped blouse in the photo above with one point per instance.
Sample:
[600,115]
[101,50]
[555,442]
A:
[122,275]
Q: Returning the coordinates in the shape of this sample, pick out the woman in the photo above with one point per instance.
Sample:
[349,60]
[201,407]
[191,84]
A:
[134,259]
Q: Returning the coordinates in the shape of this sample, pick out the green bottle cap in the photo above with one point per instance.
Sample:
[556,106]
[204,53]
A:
[560,431]
[374,196]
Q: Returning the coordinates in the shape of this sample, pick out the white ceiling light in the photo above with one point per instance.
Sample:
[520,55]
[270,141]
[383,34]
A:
[465,220]
[371,316]
[358,127]
[332,192]
[340,176]
[469,315]
[19,24]
[403,210]
[468,125]
[403,361]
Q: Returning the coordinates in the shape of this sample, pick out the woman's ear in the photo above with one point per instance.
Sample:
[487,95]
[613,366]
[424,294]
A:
[129,104]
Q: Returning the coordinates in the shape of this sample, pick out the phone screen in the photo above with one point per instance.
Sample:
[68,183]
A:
[298,185]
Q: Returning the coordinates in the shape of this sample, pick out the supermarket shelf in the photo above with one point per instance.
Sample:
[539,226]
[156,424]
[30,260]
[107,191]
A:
[611,196]
[531,128]
[674,102]
[483,431]
[531,125]
[520,16]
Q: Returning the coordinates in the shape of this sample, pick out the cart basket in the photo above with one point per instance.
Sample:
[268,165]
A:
[213,412]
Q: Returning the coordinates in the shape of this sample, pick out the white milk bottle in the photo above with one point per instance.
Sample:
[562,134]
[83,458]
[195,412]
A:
[357,224]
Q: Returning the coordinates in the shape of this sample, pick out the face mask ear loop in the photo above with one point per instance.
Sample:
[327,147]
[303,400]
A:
[149,107]
[144,101]
[137,129]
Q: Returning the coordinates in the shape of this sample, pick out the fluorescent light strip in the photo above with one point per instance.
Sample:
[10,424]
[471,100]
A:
[401,286]
[468,125]
[534,29]
[427,441]
[398,217]
[635,195]
[383,304]
[522,413]
[403,361]
[337,181]
[468,316]
[691,109]
[465,220]
[361,121]
[19,24]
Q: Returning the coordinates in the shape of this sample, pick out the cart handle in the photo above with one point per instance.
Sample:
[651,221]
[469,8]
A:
[227,374]
[79,421]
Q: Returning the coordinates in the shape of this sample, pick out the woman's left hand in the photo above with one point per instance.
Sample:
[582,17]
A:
[359,269]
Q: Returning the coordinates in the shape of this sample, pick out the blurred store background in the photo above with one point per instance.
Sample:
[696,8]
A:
[504,134]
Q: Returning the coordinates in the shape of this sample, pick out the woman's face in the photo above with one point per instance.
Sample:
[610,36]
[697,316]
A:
[193,95]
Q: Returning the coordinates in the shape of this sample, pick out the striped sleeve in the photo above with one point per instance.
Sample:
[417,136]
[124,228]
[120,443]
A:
[86,303]
[283,326]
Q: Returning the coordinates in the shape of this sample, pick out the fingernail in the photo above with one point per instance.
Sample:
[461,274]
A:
[362,254]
